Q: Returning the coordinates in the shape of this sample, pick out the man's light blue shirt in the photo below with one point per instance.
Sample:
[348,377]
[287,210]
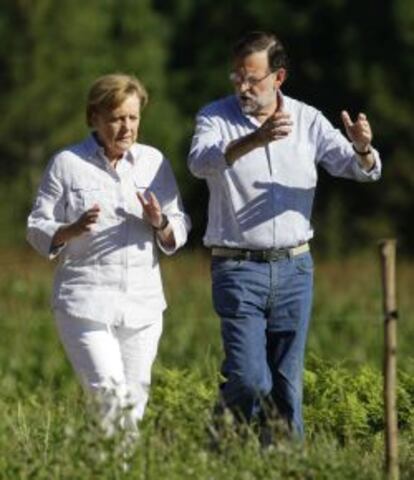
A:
[264,200]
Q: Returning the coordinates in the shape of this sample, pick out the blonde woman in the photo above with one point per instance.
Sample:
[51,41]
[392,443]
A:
[105,207]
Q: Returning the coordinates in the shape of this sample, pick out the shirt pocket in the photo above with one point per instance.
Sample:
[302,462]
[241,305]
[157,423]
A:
[83,196]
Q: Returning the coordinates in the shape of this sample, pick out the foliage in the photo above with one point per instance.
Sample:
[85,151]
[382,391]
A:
[342,56]
[51,435]
[337,61]
[46,431]
[349,402]
[61,48]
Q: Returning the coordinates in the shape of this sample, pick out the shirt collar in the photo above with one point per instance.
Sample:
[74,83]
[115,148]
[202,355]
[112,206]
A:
[253,119]
[96,151]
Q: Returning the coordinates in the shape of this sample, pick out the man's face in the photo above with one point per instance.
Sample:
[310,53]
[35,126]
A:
[117,129]
[255,84]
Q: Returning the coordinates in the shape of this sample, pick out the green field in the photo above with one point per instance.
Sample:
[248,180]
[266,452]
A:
[45,433]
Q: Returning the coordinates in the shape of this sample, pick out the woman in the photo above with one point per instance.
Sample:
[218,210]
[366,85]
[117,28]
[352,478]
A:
[103,207]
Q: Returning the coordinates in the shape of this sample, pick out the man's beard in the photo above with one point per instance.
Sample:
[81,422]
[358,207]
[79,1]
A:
[254,104]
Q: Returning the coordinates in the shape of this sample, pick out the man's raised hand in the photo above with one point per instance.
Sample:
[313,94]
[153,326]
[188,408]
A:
[359,132]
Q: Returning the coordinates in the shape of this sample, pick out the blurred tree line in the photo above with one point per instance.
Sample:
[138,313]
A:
[344,54]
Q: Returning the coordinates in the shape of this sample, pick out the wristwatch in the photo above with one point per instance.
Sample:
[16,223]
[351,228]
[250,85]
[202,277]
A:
[164,223]
[363,154]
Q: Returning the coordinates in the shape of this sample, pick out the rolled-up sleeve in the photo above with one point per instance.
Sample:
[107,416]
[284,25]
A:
[48,212]
[336,155]
[371,175]
[207,152]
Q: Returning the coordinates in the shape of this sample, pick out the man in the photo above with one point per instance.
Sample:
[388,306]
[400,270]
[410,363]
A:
[259,151]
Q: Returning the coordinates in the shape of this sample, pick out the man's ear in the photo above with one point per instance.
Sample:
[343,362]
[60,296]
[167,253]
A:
[280,77]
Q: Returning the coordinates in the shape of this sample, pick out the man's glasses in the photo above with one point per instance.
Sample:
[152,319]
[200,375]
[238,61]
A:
[238,80]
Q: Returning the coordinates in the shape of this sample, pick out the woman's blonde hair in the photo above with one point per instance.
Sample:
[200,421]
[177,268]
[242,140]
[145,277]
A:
[109,91]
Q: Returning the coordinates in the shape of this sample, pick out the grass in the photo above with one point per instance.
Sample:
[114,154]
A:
[46,434]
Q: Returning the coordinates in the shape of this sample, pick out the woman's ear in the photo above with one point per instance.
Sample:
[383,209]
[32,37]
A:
[92,120]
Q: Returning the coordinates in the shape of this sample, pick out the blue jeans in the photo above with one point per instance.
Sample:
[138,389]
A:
[265,311]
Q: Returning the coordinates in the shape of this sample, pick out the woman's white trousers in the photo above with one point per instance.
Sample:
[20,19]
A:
[114,363]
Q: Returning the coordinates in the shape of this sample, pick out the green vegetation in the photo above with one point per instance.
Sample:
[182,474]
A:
[45,432]
[344,55]
[358,56]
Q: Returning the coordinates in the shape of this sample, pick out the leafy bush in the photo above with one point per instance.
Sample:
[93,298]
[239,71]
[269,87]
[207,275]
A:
[46,432]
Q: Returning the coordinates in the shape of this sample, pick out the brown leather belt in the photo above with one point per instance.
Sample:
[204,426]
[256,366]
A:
[270,255]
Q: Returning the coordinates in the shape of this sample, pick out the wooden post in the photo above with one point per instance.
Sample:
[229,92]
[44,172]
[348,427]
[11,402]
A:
[388,254]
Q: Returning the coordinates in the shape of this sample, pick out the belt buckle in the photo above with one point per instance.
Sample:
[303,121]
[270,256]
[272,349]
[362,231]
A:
[267,256]
[275,255]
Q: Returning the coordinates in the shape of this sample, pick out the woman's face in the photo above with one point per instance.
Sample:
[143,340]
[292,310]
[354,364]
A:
[117,129]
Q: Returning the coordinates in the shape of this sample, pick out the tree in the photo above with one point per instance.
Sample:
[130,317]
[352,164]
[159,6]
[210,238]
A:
[343,54]
[60,48]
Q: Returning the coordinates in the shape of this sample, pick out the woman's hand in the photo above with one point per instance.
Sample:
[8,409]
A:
[152,209]
[153,215]
[81,225]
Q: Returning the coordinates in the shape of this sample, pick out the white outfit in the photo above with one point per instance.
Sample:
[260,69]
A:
[114,363]
[115,267]
[108,283]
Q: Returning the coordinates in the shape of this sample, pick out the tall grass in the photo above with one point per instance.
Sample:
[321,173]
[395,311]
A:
[45,432]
